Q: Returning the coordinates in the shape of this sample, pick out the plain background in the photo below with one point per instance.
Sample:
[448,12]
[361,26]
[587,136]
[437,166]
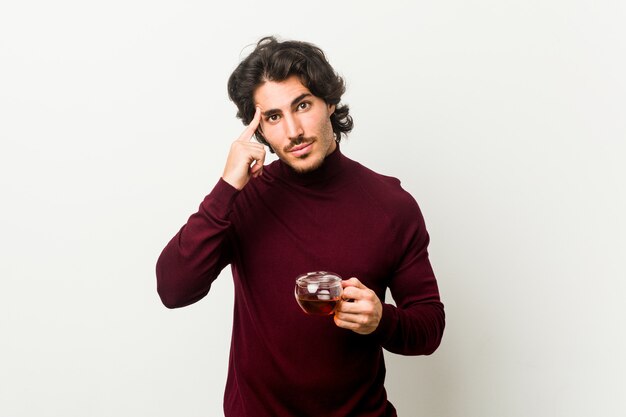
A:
[504,119]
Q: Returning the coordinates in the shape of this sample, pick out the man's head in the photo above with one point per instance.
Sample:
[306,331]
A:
[274,61]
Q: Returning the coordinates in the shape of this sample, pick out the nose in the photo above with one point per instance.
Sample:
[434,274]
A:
[293,127]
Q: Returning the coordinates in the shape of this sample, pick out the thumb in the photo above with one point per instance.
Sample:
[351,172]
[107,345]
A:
[353,282]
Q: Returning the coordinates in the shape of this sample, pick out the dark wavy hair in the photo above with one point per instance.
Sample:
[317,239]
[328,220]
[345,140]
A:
[273,60]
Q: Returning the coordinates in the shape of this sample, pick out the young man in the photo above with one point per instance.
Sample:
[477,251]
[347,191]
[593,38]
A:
[313,209]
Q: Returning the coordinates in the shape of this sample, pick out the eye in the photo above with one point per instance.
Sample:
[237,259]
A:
[304,105]
[272,118]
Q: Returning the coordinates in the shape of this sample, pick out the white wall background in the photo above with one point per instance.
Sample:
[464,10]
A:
[505,119]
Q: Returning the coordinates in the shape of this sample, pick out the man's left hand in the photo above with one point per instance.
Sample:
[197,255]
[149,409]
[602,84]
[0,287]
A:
[360,309]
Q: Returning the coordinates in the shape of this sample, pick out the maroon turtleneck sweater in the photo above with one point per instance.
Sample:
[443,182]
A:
[343,218]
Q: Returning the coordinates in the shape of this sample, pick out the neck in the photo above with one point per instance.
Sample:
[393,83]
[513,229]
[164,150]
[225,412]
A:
[329,168]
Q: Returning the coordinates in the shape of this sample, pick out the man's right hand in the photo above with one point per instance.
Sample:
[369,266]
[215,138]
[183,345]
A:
[245,158]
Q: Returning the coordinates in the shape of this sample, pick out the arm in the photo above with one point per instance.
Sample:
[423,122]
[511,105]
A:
[200,250]
[415,326]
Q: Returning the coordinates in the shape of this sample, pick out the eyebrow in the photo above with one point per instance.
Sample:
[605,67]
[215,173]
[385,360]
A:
[294,102]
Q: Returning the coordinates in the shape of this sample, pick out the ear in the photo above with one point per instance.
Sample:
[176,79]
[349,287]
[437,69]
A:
[331,109]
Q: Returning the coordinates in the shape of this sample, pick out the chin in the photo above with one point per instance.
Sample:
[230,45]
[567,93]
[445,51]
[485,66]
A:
[302,166]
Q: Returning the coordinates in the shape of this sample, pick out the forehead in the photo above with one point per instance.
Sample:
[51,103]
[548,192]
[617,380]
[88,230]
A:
[279,94]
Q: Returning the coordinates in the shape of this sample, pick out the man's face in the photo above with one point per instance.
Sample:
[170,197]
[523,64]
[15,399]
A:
[295,123]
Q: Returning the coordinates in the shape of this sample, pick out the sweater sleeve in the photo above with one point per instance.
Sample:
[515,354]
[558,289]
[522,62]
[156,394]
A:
[414,326]
[195,256]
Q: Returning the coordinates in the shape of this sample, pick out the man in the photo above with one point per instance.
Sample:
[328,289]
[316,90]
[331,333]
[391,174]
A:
[313,209]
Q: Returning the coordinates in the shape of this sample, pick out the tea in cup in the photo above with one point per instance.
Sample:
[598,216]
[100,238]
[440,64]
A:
[318,293]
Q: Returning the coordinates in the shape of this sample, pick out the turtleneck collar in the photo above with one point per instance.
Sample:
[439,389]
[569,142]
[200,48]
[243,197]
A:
[331,166]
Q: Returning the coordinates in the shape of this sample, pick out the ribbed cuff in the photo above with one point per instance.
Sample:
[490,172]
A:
[219,201]
[387,324]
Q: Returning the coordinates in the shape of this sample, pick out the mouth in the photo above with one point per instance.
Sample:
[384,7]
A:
[300,150]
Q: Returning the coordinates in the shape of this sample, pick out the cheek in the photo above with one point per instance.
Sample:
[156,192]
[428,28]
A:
[269,131]
[321,124]
[274,138]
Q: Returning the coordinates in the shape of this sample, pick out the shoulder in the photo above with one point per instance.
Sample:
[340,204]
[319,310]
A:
[386,190]
[258,188]
[396,211]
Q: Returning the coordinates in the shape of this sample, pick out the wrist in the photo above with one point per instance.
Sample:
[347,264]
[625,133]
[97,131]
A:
[236,183]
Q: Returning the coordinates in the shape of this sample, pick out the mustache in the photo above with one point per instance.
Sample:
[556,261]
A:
[300,140]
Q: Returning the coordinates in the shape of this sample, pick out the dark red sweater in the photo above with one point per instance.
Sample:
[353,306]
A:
[343,218]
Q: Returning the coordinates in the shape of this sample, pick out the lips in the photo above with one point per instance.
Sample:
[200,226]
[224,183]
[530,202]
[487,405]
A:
[301,149]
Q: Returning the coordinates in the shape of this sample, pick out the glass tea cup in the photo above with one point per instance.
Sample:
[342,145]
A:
[318,293]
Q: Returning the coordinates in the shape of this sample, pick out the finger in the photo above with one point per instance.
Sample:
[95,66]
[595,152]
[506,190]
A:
[252,127]
[364,305]
[256,172]
[349,307]
[257,168]
[356,324]
[353,282]
[351,317]
[345,322]
[355,293]
[246,153]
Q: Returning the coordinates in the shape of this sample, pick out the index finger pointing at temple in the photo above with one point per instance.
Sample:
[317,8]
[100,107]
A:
[251,128]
